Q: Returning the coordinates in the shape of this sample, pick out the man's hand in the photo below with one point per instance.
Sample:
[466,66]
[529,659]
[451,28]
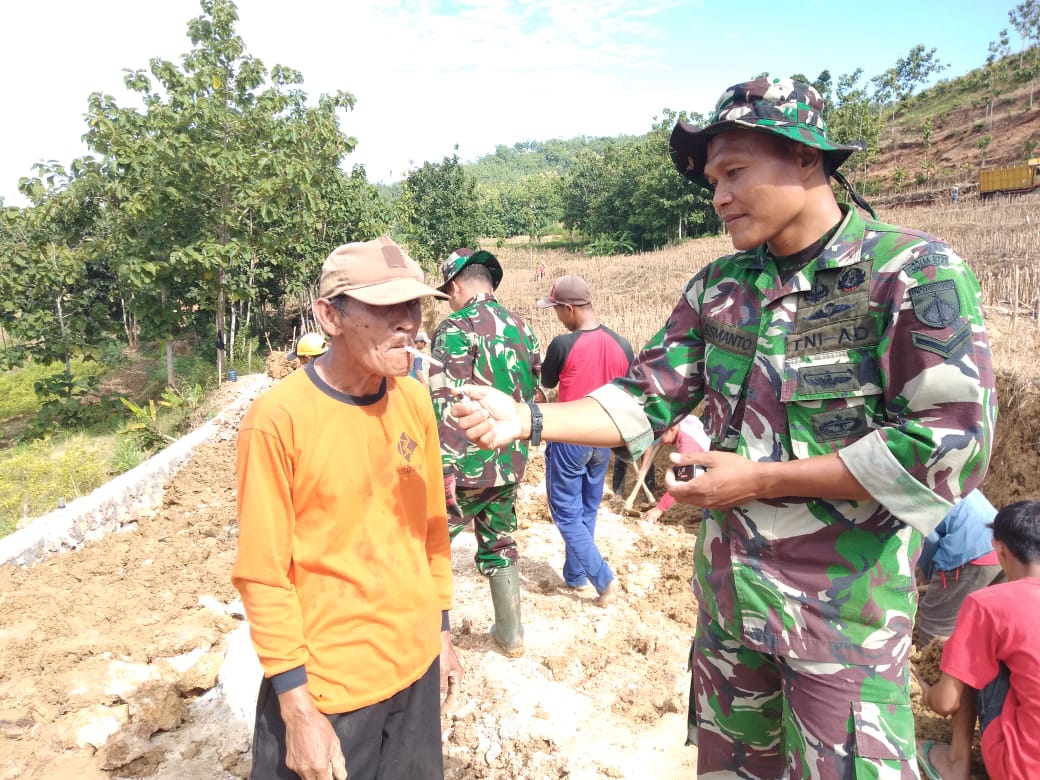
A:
[652,515]
[730,480]
[451,671]
[312,748]
[491,419]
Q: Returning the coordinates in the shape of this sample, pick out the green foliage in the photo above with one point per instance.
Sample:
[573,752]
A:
[37,474]
[143,427]
[855,120]
[112,355]
[67,402]
[18,396]
[127,455]
[512,165]
[222,183]
[633,190]
[439,211]
[620,243]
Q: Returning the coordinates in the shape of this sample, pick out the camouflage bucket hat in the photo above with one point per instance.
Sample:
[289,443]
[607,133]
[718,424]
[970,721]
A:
[460,258]
[783,107]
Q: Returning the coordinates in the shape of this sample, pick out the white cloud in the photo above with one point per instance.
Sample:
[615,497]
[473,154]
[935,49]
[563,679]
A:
[431,73]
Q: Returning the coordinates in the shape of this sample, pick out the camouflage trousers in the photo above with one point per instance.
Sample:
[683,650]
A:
[493,512]
[766,717]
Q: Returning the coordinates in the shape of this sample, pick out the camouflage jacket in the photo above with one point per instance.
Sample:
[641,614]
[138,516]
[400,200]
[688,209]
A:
[877,350]
[483,343]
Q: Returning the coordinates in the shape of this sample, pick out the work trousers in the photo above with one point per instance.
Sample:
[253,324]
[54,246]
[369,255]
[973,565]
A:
[766,717]
[395,739]
[574,486]
[493,512]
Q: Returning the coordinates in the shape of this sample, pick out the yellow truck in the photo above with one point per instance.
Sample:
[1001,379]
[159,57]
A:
[1024,177]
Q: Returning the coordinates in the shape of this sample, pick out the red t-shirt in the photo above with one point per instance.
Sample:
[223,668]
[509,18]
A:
[1000,623]
[583,360]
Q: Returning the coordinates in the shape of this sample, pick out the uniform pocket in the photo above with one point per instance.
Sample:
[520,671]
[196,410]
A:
[884,732]
[832,399]
[725,376]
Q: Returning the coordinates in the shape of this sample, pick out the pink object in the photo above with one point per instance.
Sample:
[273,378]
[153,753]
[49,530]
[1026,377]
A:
[692,438]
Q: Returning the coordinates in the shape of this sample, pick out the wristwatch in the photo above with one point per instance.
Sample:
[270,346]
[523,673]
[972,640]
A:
[536,424]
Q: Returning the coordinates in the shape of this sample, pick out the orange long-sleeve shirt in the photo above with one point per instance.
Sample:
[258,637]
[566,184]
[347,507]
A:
[344,563]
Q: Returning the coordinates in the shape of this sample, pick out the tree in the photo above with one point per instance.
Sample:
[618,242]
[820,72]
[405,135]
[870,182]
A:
[632,196]
[1025,18]
[531,207]
[914,69]
[439,211]
[54,296]
[824,84]
[215,154]
[853,120]
[995,64]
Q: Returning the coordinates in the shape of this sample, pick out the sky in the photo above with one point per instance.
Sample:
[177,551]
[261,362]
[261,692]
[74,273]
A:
[428,75]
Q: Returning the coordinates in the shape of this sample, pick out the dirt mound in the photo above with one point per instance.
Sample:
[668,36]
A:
[1014,471]
[278,365]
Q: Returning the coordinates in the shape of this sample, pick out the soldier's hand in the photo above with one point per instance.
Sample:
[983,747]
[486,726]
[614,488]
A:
[490,418]
[728,481]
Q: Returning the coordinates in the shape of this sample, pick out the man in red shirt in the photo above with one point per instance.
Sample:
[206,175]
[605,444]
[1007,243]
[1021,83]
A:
[991,664]
[587,357]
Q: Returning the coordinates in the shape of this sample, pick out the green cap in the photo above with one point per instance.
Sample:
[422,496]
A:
[460,258]
[783,107]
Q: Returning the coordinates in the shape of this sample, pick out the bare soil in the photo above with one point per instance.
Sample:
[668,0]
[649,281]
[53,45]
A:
[107,653]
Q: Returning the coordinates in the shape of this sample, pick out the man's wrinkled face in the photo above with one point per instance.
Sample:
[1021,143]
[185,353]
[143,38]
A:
[374,337]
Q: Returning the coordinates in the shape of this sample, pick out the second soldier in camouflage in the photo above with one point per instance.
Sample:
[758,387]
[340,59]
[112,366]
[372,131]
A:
[483,343]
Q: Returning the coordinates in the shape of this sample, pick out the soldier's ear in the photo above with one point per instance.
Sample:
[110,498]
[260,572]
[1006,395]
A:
[809,159]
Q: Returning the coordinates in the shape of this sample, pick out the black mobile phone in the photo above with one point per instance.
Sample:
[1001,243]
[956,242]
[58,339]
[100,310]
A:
[687,472]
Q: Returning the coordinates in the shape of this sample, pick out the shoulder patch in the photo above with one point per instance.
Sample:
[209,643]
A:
[936,304]
[925,261]
[947,348]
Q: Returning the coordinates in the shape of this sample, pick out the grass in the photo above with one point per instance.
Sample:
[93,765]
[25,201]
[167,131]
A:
[38,474]
[67,465]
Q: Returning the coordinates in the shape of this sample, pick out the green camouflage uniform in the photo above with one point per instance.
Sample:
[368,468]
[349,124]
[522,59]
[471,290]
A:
[876,350]
[484,343]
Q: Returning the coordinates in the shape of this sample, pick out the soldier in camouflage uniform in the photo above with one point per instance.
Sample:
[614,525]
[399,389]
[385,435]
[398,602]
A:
[482,342]
[849,395]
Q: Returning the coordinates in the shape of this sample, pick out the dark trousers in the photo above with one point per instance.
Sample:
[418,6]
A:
[620,472]
[395,739]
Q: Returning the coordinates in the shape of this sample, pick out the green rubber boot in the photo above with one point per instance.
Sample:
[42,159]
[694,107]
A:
[507,631]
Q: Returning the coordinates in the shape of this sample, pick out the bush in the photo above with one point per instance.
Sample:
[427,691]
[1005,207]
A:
[127,456]
[17,394]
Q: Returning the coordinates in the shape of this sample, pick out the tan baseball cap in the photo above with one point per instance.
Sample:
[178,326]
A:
[376,272]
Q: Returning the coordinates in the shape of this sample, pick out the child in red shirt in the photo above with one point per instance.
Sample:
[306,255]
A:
[991,663]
